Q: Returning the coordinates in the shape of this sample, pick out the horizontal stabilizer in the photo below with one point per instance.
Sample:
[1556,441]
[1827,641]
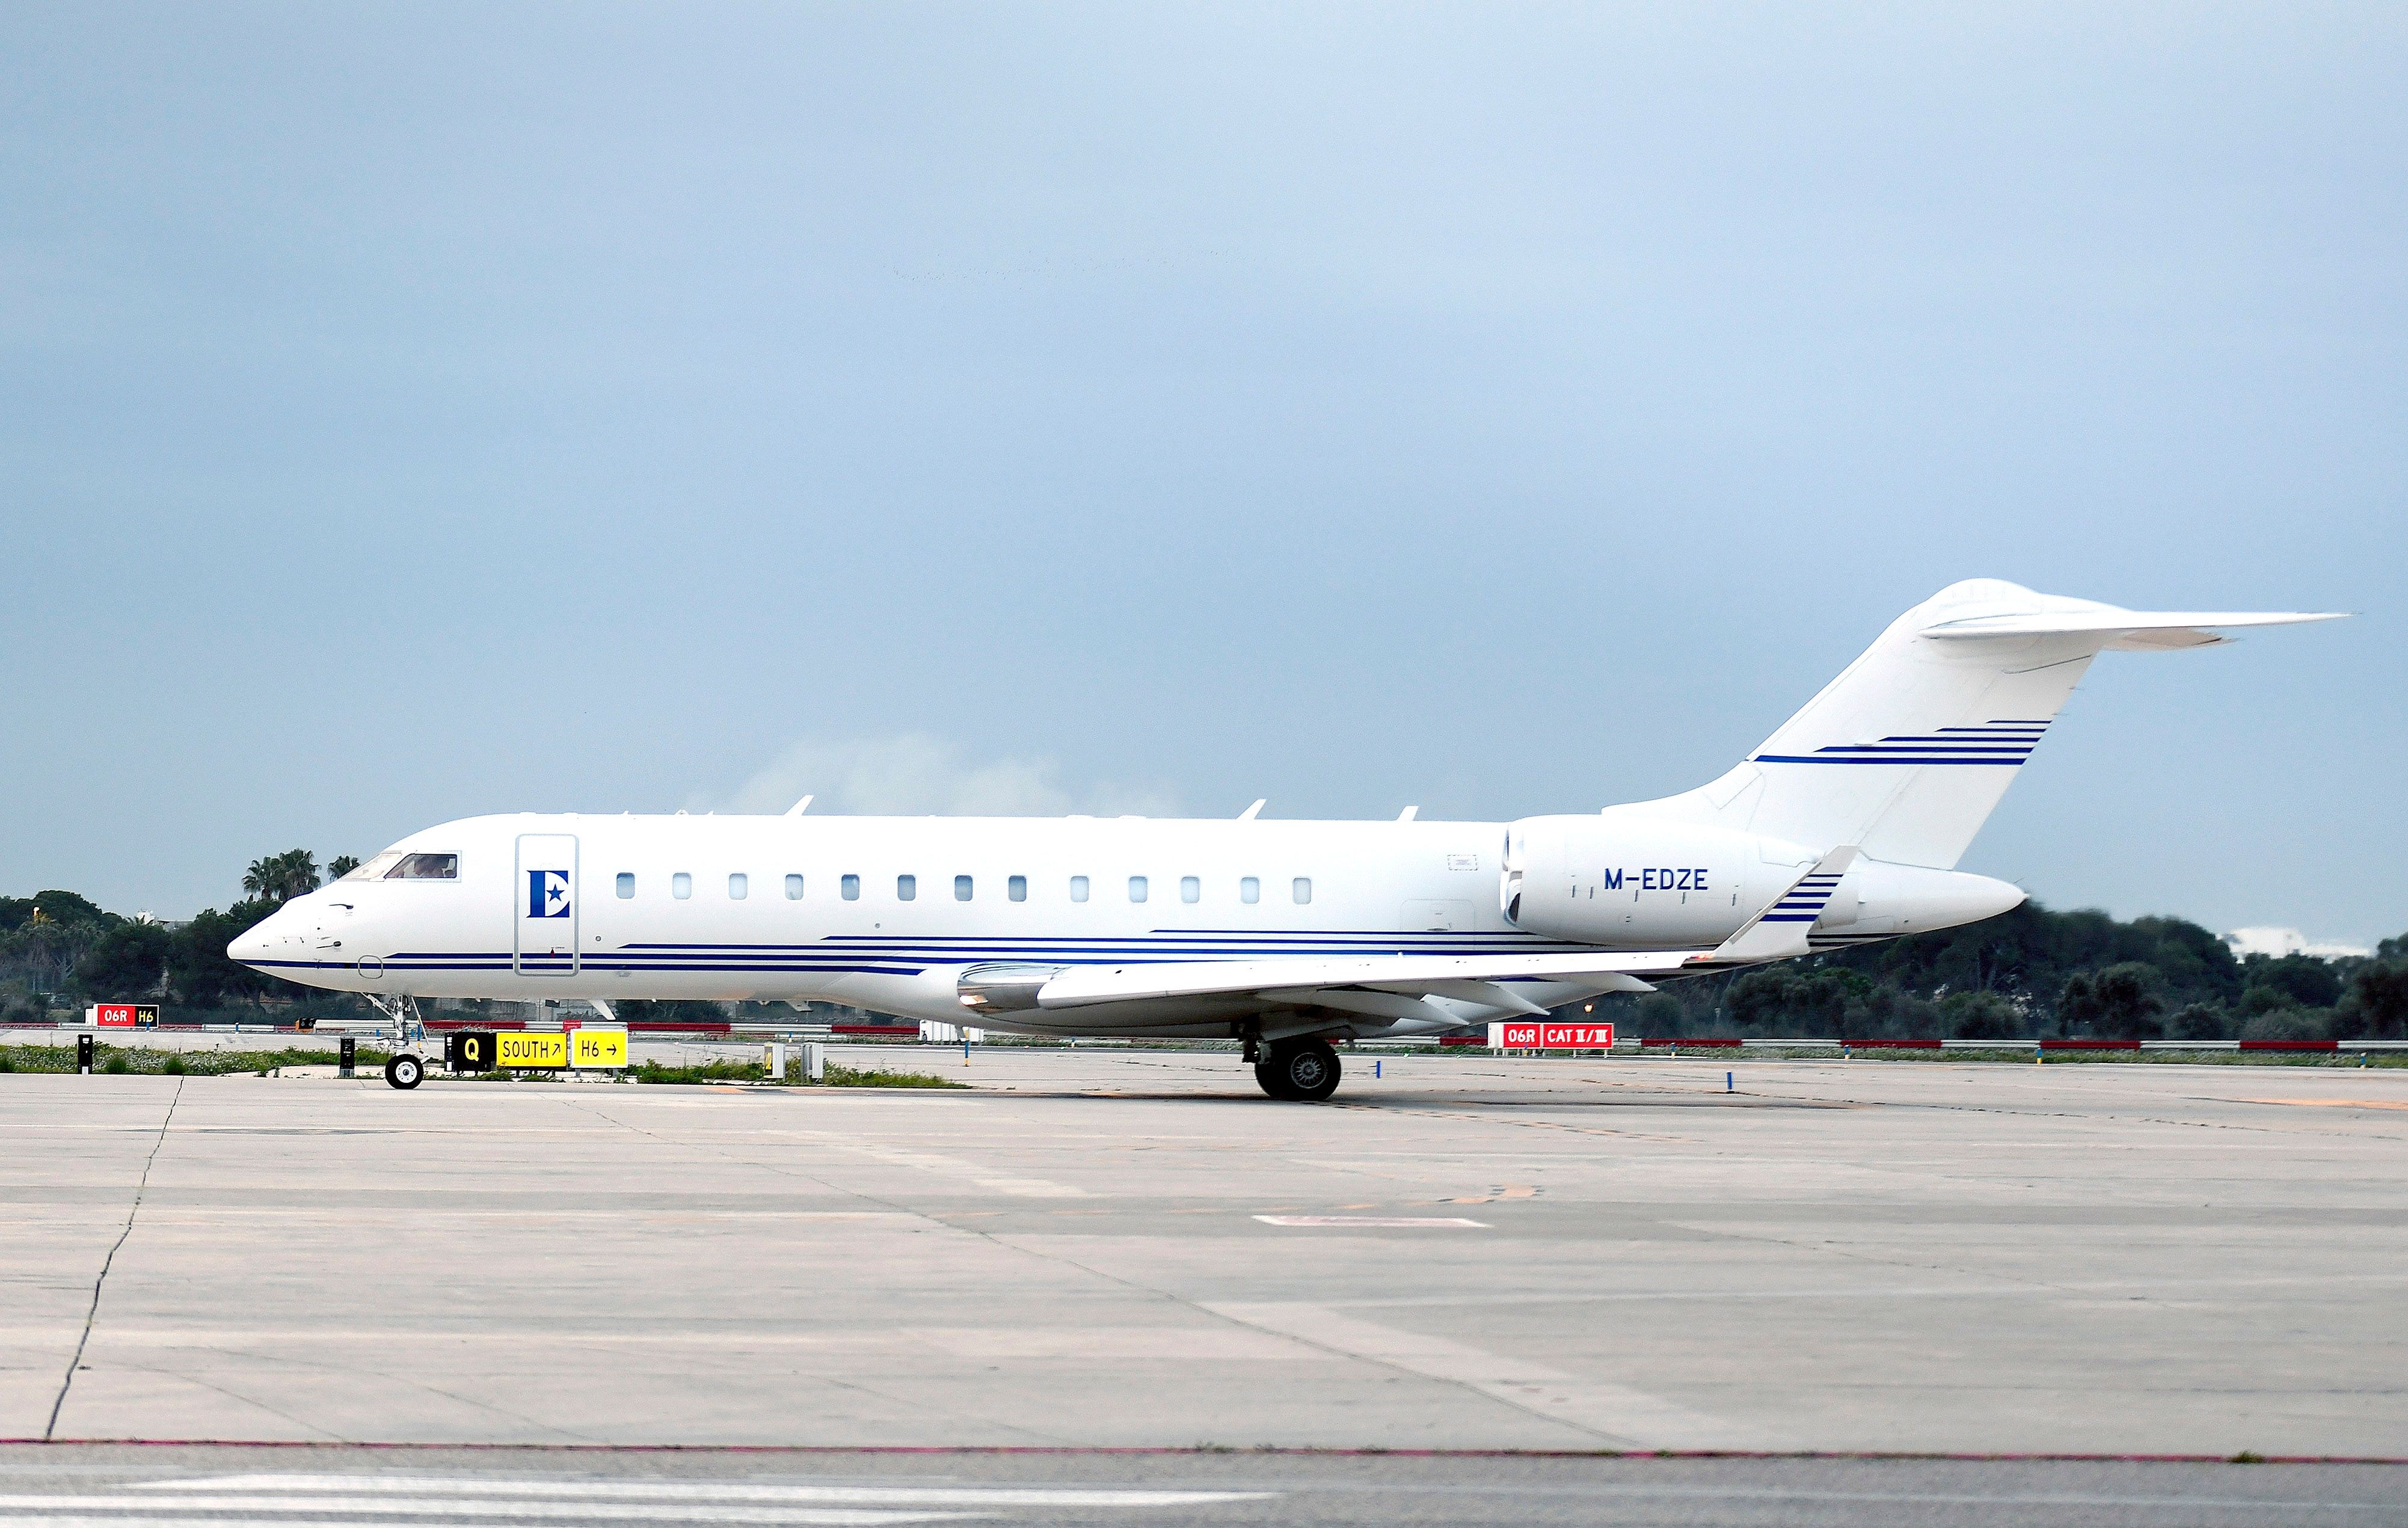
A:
[1908,750]
[2126,630]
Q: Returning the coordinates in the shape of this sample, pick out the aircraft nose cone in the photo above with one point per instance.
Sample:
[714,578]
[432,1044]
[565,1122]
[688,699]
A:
[258,942]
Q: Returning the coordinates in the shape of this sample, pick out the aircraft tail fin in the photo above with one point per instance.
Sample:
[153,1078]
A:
[1907,752]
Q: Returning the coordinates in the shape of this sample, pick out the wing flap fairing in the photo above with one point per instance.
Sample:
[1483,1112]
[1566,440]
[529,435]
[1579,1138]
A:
[1400,975]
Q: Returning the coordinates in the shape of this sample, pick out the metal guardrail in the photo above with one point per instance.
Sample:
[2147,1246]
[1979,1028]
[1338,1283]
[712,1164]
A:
[1626,1045]
[1718,1043]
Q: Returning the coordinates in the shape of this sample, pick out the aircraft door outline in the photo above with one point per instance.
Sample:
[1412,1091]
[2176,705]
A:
[544,898]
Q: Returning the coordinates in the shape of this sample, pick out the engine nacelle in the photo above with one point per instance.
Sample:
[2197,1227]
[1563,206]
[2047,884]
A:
[1627,882]
[1639,883]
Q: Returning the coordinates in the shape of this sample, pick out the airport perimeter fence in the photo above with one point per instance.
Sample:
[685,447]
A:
[1721,1043]
[951,1034]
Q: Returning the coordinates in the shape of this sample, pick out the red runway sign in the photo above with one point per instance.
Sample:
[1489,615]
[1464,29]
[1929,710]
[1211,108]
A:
[124,1015]
[1537,1036]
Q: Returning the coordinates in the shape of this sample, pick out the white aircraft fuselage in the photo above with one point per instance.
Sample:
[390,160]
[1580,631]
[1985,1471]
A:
[889,912]
[1844,826]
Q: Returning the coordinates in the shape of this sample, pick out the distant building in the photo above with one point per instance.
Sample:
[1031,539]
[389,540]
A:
[2278,942]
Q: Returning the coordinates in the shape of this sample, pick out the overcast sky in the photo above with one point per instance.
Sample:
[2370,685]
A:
[408,413]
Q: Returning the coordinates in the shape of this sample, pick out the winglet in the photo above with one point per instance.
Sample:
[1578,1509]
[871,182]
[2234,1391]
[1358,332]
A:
[1778,932]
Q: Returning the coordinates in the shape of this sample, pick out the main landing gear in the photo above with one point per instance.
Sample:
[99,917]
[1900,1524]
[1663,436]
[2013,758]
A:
[1297,1071]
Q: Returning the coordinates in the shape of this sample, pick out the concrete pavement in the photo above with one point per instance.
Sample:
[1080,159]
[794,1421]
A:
[356,1488]
[1134,1249]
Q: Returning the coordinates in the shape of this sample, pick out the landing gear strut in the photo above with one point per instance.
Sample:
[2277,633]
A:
[407,1067]
[1298,1071]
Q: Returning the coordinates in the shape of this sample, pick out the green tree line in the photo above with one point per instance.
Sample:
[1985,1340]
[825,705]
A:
[2029,973]
[59,946]
[2034,974]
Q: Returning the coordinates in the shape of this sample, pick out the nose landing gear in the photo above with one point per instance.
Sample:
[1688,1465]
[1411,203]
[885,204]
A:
[406,1069]
[1298,1071]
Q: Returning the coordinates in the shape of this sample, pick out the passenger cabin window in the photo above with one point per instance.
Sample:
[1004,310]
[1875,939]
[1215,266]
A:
[738,886]
[1017,889]
[794,888]
[906,887]
[1250,889]
[680,886]
[626,885]
[425,867]
[1136,889]
[851,887]
[1190,890]
[1303,889]
[1078,888]
[961,889]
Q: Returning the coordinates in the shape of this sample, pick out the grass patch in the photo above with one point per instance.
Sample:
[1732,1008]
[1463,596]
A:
[838,1076]
[846,1077]
[2022,1054]
[705,1072]
[136,1060]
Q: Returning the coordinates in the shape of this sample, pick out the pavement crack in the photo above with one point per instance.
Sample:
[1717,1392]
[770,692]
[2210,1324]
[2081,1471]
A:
[91,1313]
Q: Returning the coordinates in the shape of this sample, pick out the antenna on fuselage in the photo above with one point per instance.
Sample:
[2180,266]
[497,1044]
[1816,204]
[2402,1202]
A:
[1247,815]
[1407,814]
[799,807]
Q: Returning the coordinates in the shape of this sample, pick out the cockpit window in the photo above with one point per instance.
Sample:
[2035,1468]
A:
[425,867]
[374,870]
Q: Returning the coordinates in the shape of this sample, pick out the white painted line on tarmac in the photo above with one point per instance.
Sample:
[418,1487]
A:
[832,1517]
[1033,1187]
[713,1490]
[1398,1222]
[454,1508]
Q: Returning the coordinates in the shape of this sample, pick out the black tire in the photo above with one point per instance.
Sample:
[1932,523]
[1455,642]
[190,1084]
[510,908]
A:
[1299,1071]
[404,1072]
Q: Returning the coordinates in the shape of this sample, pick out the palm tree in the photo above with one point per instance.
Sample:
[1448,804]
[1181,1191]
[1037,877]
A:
[282,876]
[300,873]
[340,866]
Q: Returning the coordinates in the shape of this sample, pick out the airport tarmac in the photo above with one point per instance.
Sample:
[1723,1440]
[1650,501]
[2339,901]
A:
[354,1488]
[1102,1247]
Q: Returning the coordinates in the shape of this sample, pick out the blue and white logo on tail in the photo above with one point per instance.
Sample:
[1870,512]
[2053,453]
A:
[2008,741]
[547,894]
[1804,902]
[1780,930]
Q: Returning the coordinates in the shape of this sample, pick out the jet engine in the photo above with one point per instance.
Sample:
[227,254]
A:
[1639,883]
[1627,882]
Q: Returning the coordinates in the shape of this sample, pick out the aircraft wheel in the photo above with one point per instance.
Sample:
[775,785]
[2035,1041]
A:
[404,1072]
[1301,1071]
